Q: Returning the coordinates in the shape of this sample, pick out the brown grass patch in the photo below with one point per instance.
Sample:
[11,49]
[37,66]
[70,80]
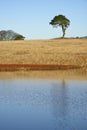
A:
[15,67]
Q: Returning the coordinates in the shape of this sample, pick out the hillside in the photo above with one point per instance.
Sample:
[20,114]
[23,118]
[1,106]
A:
[10,35]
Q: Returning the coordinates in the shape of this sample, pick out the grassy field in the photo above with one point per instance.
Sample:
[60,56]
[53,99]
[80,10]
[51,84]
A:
[57,51]
[71,53]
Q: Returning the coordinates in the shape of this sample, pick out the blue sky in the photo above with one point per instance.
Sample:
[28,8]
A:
[31,17]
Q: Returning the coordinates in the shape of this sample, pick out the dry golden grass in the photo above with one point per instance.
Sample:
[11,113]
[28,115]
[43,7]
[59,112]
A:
[57,51]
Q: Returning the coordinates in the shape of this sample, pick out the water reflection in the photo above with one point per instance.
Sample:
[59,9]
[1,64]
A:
[59,98]
[59,103]
[43,105]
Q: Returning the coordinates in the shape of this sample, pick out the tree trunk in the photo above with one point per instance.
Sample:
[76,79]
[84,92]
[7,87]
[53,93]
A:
[63,30]
[63,33]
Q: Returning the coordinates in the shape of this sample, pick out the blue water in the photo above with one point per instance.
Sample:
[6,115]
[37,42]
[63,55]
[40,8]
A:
[43,105]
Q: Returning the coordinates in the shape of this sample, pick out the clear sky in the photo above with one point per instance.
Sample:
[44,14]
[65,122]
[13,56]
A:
[31,17]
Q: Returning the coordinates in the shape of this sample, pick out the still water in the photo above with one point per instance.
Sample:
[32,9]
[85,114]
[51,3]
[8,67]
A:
[43,105]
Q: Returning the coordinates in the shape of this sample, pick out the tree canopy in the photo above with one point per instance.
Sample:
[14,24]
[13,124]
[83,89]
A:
[61,21]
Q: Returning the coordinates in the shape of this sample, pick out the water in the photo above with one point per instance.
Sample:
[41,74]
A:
[43,105]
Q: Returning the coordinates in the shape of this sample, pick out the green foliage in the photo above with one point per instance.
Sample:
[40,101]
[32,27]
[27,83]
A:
[19,37]
[61,21]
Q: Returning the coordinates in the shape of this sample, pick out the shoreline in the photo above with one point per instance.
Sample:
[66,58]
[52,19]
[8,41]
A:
[69,74]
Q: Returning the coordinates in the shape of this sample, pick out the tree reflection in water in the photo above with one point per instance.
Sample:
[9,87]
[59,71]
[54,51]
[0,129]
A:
[59,102]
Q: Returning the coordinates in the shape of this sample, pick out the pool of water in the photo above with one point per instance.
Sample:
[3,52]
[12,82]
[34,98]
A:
[43,104]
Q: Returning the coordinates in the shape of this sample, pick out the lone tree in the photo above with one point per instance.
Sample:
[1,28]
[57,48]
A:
[60,21]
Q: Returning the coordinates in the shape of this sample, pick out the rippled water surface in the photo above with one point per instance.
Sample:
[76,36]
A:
[43,105]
